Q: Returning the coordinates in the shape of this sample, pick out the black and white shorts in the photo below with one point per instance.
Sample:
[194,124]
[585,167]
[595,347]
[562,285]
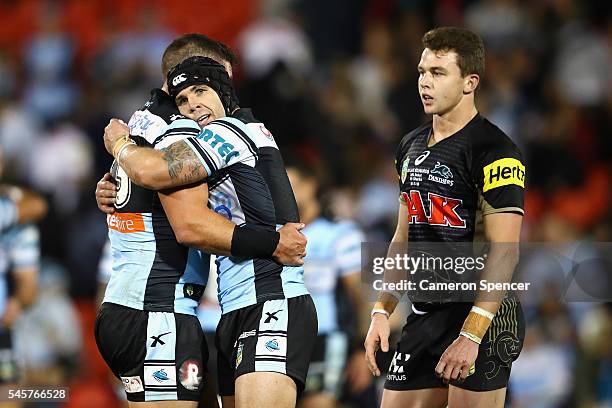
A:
[326,371]
[274,336]
[159,356]
[425,337]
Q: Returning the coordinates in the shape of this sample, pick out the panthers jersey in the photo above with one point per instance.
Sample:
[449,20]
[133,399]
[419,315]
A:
[333,251]
[248,183]
[151,271]
[449,186]
[476,170]
[19,249]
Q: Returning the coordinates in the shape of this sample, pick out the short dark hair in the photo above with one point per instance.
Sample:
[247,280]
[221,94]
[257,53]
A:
[466,44]
[191,45]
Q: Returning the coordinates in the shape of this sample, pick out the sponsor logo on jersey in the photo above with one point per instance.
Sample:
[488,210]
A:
[442,210]
[266,132]
[190,374]
[421,158]
[132,384]
[178,79]
[158,339]
[503,172]
[224,211]
[126,223]
[405,169]
[225,149]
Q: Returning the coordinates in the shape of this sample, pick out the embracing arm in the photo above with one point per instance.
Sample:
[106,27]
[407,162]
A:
[176,165]
[203,228]
[173,166]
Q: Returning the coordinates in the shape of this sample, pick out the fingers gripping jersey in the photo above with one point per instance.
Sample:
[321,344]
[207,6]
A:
[333,251]
[151,271]
[477,171]
[248,184]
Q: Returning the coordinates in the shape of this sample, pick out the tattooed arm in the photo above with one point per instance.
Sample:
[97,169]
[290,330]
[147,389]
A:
[174,166]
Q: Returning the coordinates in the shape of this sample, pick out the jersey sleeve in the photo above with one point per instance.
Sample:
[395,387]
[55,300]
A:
[348,250]
[8,213]
[499,174]
[223,143]
[25,247]
[179,129]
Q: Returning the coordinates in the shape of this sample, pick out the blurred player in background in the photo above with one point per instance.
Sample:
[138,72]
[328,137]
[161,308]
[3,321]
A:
[19,205]
[451,169]
[333,259]
[268,325]
[19,265]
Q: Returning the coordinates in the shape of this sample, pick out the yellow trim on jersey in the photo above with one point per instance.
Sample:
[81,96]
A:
[503,172]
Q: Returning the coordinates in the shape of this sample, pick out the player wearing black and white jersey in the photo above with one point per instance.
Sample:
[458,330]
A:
[452,171]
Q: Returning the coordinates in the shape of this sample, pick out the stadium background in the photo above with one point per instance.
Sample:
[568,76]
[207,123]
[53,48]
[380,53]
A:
[335,81]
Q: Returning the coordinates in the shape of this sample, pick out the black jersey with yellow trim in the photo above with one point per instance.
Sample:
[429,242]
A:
[446,186]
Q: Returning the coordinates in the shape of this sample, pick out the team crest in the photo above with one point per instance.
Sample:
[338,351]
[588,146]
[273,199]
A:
[405,169]
[239,355]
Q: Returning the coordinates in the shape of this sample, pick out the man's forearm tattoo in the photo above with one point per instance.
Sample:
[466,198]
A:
[183,165]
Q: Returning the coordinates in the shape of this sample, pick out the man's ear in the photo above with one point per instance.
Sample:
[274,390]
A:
[470,83]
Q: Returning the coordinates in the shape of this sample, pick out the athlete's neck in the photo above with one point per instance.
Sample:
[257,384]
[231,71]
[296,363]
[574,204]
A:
[309,212]
[451,122]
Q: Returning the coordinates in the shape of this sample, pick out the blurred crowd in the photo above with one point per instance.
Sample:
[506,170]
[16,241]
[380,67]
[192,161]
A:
[335,82]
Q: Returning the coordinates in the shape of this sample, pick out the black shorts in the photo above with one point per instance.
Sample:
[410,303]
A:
[275,336]
[158,356]
[326,370]
[8,365]
[426,337]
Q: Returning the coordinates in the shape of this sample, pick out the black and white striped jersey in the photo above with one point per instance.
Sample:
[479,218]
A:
[150,270]
[248,184]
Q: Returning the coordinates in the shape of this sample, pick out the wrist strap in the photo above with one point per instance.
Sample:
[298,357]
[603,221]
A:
[483,312]
[252,242]
[121,144]
[381,311]
[470,336]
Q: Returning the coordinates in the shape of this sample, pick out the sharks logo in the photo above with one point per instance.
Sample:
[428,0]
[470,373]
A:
[161,375]
[272,345]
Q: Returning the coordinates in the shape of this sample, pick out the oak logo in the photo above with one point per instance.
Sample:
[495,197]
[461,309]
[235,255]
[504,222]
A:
[442,210]
[503,172]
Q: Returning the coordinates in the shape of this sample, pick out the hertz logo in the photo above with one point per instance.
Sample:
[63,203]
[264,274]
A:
[503,172]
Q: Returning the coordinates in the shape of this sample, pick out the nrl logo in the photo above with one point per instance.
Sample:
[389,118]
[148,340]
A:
[405,169]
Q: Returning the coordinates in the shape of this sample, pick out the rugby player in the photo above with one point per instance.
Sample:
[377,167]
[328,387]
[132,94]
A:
[333,258]
[19,257]
[146,329]
[451,169]
[268,325]
[19,205]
